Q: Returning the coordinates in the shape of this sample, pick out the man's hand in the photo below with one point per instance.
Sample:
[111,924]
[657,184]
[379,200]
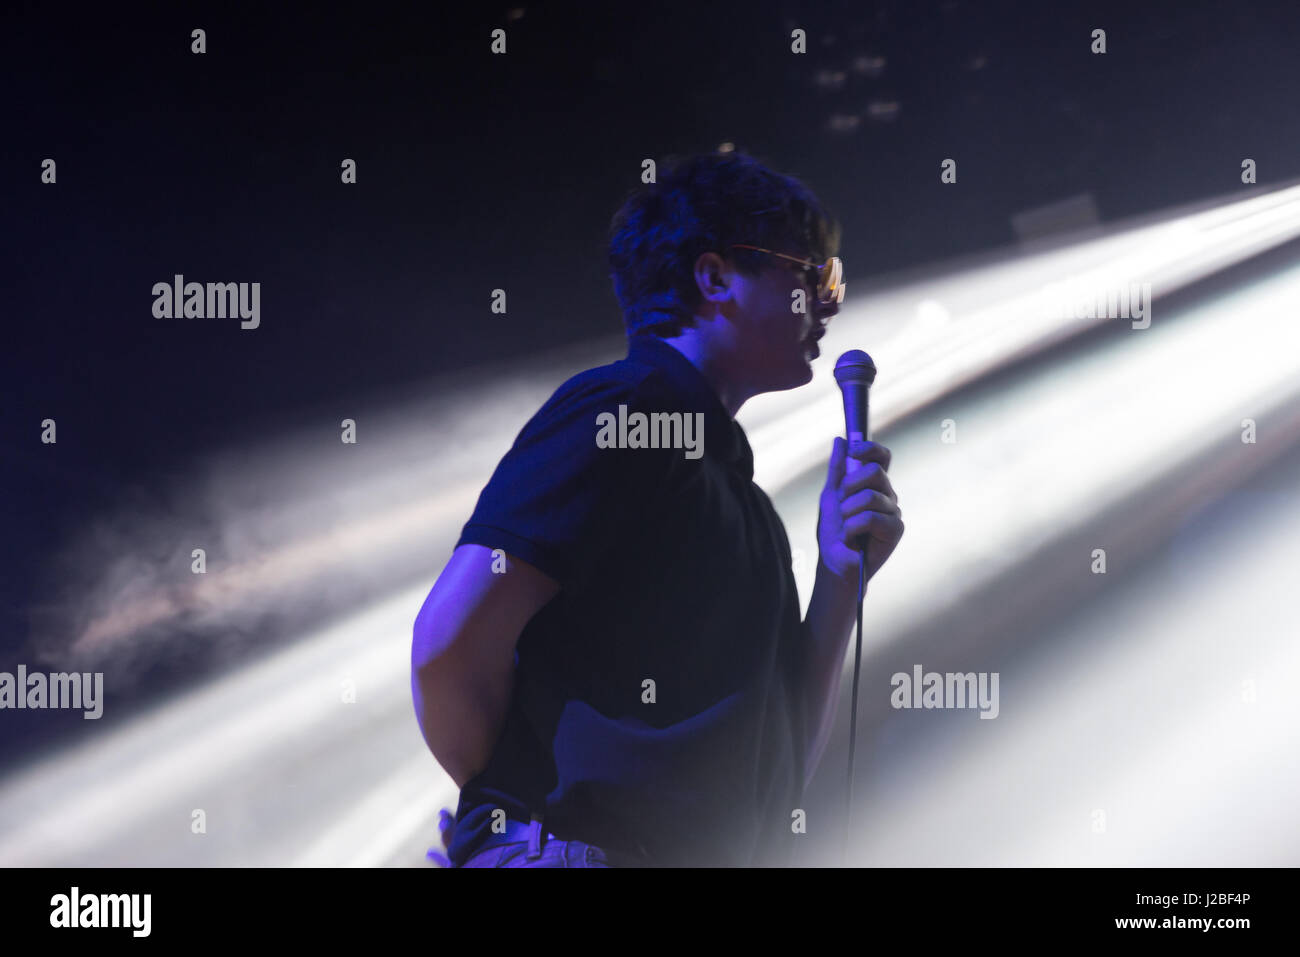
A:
[858,507]
[446,828]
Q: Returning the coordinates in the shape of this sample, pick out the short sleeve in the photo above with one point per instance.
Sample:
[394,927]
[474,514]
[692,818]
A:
[558,499]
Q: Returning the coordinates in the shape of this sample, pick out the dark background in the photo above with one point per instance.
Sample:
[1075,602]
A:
[478,171]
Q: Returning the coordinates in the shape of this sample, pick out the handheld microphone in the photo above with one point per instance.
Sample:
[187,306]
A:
[855,372]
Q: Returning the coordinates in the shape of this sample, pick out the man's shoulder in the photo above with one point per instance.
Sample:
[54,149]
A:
[602,388]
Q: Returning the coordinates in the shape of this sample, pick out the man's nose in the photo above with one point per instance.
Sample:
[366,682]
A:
[826,311]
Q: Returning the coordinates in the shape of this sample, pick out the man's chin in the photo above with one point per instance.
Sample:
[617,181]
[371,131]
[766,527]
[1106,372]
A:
[792,376]
[804,375]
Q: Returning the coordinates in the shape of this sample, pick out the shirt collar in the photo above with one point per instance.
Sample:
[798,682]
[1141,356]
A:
[724,439]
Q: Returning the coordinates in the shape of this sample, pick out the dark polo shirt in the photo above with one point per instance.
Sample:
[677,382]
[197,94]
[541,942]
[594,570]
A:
[657,707]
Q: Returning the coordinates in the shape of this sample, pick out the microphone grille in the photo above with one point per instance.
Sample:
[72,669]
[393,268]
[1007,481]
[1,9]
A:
[855,366]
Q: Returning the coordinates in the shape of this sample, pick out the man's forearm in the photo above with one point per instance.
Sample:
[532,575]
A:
[828,626]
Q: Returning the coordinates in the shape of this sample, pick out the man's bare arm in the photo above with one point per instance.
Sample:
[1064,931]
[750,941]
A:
[463,654]
[858,507]
[828,626]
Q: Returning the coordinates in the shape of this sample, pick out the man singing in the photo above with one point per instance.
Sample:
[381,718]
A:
[612,665]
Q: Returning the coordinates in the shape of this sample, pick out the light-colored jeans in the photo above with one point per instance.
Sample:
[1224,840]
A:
[537,848]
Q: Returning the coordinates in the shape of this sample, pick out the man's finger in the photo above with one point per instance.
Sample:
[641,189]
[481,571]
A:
[835,471]
[868,500]
[865,452]
[873,476]
[878,525]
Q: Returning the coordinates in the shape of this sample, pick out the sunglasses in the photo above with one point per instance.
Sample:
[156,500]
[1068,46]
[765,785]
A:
[827,278]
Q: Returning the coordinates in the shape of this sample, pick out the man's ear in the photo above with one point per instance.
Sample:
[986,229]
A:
[712,276]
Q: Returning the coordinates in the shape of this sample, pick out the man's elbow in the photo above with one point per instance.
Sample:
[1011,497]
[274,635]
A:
[460,701]
[437,723]
[433,688]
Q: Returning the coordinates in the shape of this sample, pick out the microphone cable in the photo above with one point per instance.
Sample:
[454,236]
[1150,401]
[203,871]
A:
[853,715]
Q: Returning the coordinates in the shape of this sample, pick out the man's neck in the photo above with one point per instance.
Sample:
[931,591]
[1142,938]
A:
[702,352]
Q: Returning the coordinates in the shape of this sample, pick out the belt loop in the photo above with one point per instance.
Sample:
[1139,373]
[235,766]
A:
[535,838]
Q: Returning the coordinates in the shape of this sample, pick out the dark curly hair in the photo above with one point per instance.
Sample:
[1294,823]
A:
[705,203]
